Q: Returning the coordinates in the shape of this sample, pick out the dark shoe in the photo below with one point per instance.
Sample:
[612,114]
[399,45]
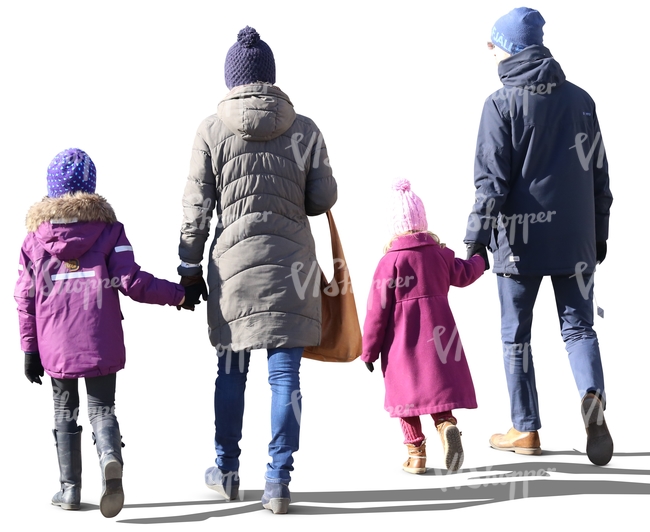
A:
[519,442]
[600,446]
[225,483]
[417,460]
[451,445]
[109,449]
[276,497]
[68,450]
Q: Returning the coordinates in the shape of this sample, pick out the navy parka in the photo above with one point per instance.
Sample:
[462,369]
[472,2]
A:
[541,174]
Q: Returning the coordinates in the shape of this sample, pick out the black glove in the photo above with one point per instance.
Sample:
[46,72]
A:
[474,248]
[601,251]
[370,367]
[33,367]
[195,289]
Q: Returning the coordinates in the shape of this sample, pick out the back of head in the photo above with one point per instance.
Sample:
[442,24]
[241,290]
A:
[518,29]
[69,172]
[249,60]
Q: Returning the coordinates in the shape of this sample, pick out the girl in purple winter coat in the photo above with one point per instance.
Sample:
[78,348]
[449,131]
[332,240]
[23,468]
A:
[73,262]
[410,323]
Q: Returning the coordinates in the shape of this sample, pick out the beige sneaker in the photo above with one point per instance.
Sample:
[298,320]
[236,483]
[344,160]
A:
[417,459]
[519,442]
[451,445]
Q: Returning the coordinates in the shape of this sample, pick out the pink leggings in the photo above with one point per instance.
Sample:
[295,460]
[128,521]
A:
[412,427]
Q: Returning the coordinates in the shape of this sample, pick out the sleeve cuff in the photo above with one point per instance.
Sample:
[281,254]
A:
[188,268]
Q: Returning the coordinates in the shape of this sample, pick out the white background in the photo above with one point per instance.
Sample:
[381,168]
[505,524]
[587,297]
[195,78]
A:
[397,89]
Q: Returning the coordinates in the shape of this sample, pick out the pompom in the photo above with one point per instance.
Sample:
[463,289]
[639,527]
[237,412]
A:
[248,37]
[402,185]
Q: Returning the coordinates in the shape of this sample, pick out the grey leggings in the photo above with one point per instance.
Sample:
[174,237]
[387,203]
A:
[101,402]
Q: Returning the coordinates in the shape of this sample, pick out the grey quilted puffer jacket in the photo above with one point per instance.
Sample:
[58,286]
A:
[263,169]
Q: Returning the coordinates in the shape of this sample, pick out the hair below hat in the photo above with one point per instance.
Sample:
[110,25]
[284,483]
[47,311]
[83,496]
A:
[518,29]
[70,171]
[249,60]
[408,209]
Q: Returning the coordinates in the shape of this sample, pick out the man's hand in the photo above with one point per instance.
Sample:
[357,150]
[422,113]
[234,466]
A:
[601,251]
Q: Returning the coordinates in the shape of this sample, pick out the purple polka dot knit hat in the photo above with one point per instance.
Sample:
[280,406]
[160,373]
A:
[249,60]
[408,209]
[69,172]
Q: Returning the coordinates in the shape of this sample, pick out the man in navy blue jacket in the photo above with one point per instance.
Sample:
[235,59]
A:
[542,208]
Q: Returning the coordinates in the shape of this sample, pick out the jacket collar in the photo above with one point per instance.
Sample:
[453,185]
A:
[413,240]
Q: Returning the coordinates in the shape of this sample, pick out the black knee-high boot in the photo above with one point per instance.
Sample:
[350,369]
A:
[109,449]
[68,449]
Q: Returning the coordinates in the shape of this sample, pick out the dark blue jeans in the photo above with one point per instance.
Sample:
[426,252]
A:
[574,302]
[286,405]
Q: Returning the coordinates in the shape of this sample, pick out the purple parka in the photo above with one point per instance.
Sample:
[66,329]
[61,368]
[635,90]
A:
[409,321]
[74,260]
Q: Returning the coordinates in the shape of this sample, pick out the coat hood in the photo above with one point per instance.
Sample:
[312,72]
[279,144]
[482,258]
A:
[69,225]
[257,112]
[531,67]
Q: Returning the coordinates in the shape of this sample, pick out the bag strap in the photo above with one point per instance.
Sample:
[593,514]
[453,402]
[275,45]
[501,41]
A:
[337,248]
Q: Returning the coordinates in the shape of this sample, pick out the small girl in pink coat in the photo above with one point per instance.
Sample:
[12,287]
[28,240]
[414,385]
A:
[410,323]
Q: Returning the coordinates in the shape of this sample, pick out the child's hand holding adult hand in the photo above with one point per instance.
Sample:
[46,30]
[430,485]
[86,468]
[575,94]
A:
[33,367]
[195,289]
[475,248]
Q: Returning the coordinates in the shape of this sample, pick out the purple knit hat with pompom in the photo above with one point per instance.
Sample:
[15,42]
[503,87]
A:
[249,60]
[408,209]
[69,172]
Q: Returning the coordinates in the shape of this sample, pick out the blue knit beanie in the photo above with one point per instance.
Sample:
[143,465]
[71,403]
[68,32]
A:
[518,29]
[249,60]
[70,171]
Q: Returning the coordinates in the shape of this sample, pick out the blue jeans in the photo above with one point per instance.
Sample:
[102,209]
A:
[574,302]
[286,406]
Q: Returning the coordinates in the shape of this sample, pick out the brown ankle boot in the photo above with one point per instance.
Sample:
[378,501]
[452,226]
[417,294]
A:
[417,459]
[451,445]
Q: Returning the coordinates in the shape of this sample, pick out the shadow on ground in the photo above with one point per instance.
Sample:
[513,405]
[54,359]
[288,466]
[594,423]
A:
[474,487]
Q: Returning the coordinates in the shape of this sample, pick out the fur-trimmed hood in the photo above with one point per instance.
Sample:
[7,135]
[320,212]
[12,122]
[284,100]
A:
[69,225]
[78,207]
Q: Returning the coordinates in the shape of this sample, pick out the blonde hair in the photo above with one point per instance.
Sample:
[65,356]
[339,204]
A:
[432,235]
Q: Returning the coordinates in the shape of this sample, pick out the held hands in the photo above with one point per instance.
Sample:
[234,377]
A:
[195,289]
[33,367]
[475,248]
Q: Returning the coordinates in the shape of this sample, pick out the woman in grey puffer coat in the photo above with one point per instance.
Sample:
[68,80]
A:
[264,169]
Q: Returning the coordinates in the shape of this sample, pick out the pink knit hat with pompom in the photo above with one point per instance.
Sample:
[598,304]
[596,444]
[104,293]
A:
[408,209]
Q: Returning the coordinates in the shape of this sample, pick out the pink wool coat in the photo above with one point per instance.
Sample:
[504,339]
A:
[409,322]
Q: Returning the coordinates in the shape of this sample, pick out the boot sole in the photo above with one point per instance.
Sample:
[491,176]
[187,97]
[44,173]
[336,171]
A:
[454,454]
[112,498]
[66,506]
[278,505]
[415,470]
[234,492]
[528,451]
